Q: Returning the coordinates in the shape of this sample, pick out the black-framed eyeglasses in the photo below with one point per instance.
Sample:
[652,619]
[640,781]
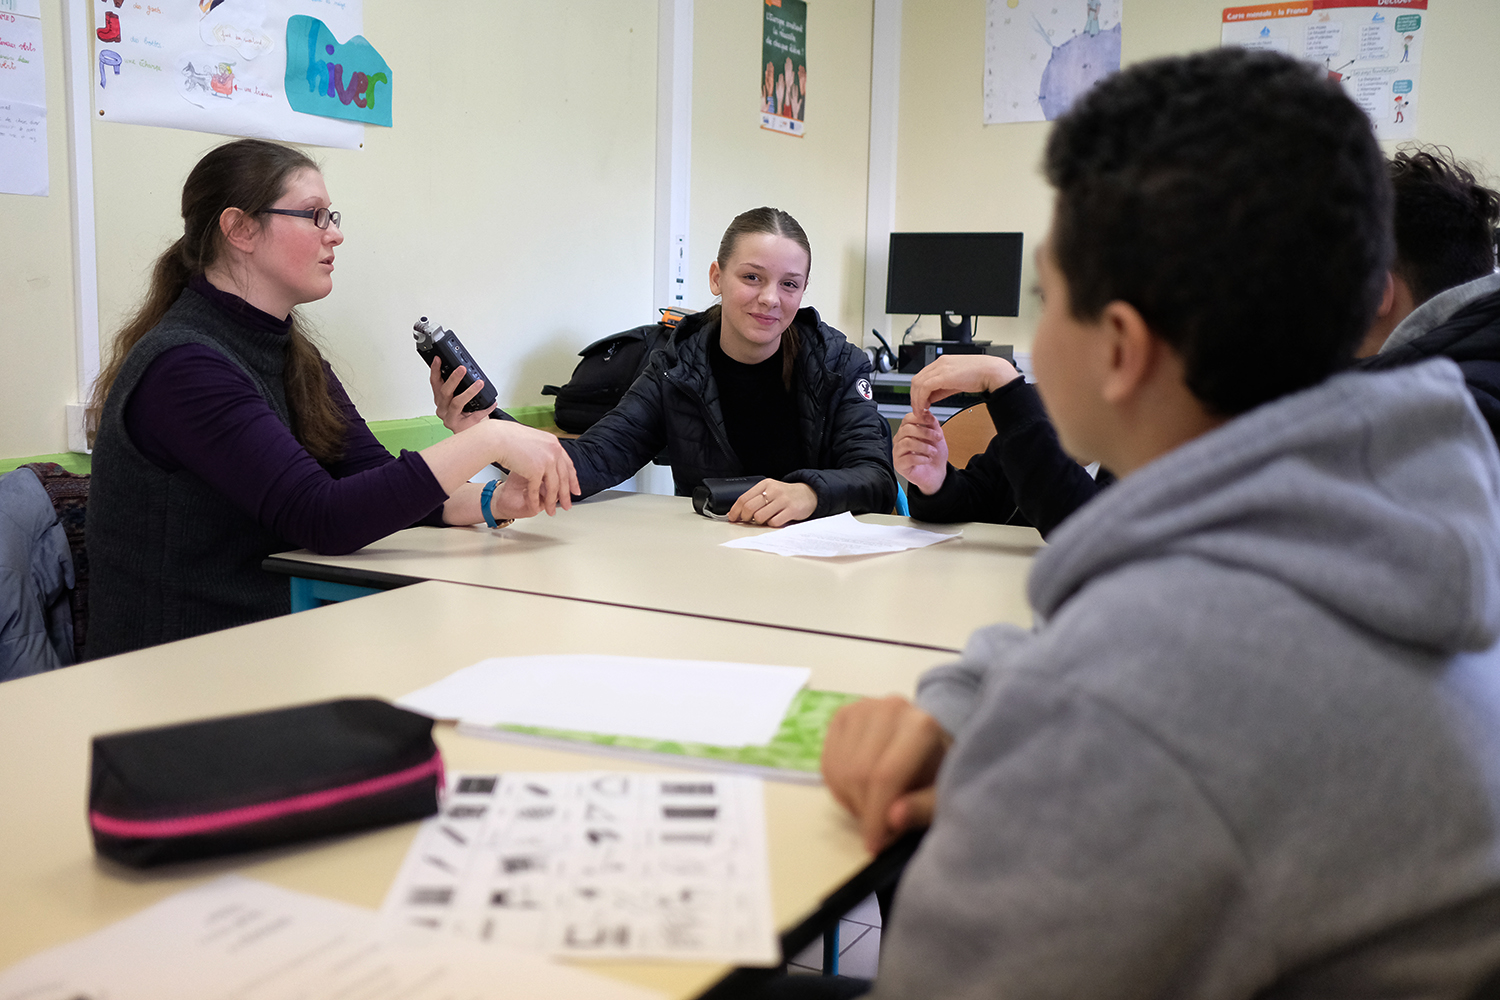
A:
[321,217]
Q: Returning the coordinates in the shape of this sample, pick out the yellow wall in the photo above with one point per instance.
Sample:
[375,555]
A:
[819,177]
[513,202]
[37,375]
[954,172]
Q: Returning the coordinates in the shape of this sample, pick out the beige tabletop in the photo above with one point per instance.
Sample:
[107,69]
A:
[53,889]
[647,551]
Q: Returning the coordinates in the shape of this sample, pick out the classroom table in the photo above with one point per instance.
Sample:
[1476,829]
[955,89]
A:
[643,550]
[54,889]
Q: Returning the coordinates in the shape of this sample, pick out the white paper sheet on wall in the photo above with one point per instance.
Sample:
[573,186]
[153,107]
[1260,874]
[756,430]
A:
[23,99]
[212,66]
[1041,55]
[596,864]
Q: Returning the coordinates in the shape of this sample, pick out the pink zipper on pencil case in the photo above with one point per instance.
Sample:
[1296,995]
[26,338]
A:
[187,826]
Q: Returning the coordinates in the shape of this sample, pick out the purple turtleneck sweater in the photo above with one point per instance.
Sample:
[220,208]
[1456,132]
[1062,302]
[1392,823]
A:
[194,409]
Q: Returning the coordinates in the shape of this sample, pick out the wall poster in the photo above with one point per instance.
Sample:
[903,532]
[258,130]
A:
[1040,55]
[1372,47]
[783,54]
[23,99]
[221,66]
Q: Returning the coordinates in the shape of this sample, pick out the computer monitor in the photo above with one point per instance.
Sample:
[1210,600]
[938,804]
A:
[962,274]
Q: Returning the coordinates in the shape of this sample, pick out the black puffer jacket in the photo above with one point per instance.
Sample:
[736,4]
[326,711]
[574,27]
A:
[1470,337]
[674,404]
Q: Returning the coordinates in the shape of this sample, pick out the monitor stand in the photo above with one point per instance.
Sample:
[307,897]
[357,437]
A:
[957,327]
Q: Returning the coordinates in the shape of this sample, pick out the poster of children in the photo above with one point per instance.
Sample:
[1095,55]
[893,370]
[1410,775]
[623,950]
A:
[783,84]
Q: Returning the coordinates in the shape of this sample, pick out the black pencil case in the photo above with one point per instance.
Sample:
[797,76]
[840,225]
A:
[716,496]
[243,782]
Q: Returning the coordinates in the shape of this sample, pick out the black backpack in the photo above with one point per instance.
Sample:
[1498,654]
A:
[609,367]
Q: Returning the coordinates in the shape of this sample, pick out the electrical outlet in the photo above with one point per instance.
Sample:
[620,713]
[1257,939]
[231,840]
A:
[78,438]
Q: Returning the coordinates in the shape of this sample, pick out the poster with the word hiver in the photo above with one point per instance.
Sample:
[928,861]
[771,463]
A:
[783,58]
[1040,55]
[222,66]
[1373,49]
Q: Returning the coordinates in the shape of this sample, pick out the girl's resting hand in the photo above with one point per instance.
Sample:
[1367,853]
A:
[774,503]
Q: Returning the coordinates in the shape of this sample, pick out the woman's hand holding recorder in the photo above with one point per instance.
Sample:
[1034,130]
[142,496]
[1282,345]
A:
[449,403]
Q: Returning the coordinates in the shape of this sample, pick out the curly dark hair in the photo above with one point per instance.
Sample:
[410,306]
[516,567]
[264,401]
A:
[1239,201]
[1445,221]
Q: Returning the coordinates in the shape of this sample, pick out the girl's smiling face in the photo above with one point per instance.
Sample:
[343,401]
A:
[761,285]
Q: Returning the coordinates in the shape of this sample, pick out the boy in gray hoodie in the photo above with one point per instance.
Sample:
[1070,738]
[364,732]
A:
[1251,746]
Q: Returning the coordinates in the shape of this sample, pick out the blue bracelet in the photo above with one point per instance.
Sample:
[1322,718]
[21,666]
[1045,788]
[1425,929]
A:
[484,502]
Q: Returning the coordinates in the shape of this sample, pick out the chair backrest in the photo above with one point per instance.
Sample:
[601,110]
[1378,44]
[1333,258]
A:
[69,493]
[968,432]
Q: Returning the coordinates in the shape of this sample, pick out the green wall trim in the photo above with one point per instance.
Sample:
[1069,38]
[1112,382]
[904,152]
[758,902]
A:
[416,433]
[70,460]
[413,434]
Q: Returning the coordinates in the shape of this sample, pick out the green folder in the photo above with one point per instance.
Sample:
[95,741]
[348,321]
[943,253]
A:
[792,754]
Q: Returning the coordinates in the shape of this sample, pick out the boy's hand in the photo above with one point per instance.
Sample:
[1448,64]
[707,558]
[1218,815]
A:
[954,373]
[920,452]
[880,760]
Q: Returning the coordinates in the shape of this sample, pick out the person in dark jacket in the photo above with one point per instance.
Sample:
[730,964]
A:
[223,435]
[756,386]
[1442,299]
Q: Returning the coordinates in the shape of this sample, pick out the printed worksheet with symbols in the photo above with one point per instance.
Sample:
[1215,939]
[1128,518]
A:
[598,864]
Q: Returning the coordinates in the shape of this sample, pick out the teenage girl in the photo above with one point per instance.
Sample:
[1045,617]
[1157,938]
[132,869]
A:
[754,386]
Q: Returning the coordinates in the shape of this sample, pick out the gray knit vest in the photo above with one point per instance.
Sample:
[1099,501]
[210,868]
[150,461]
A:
[170,556]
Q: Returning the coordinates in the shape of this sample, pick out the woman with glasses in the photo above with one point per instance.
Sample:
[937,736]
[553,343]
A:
[754,386]
[223,436]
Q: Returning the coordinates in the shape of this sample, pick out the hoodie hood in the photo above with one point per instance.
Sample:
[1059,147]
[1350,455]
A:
[1375,495]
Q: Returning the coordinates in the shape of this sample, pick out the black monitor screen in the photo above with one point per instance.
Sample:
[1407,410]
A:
[973,274]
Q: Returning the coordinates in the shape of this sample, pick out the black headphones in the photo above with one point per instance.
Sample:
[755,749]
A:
[882,358]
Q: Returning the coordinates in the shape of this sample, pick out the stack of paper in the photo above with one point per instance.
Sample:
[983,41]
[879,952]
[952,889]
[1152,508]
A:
[723,704]
[238,938]
[842,535]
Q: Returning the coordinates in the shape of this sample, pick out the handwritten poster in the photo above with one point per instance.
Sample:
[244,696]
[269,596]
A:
[23,99]
[1373,49]
[213,66]
[783,84]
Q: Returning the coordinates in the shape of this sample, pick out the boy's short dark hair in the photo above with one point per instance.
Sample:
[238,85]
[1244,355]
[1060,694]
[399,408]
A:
[1445,221]
[1240,202]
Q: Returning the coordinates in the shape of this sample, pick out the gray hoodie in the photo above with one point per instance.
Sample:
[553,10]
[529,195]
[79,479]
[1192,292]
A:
[1252,746]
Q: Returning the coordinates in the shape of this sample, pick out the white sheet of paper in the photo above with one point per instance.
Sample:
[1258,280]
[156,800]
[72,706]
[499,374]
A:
[697,701]
[23,100]
[840,535]
[253,941]
[596,864]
